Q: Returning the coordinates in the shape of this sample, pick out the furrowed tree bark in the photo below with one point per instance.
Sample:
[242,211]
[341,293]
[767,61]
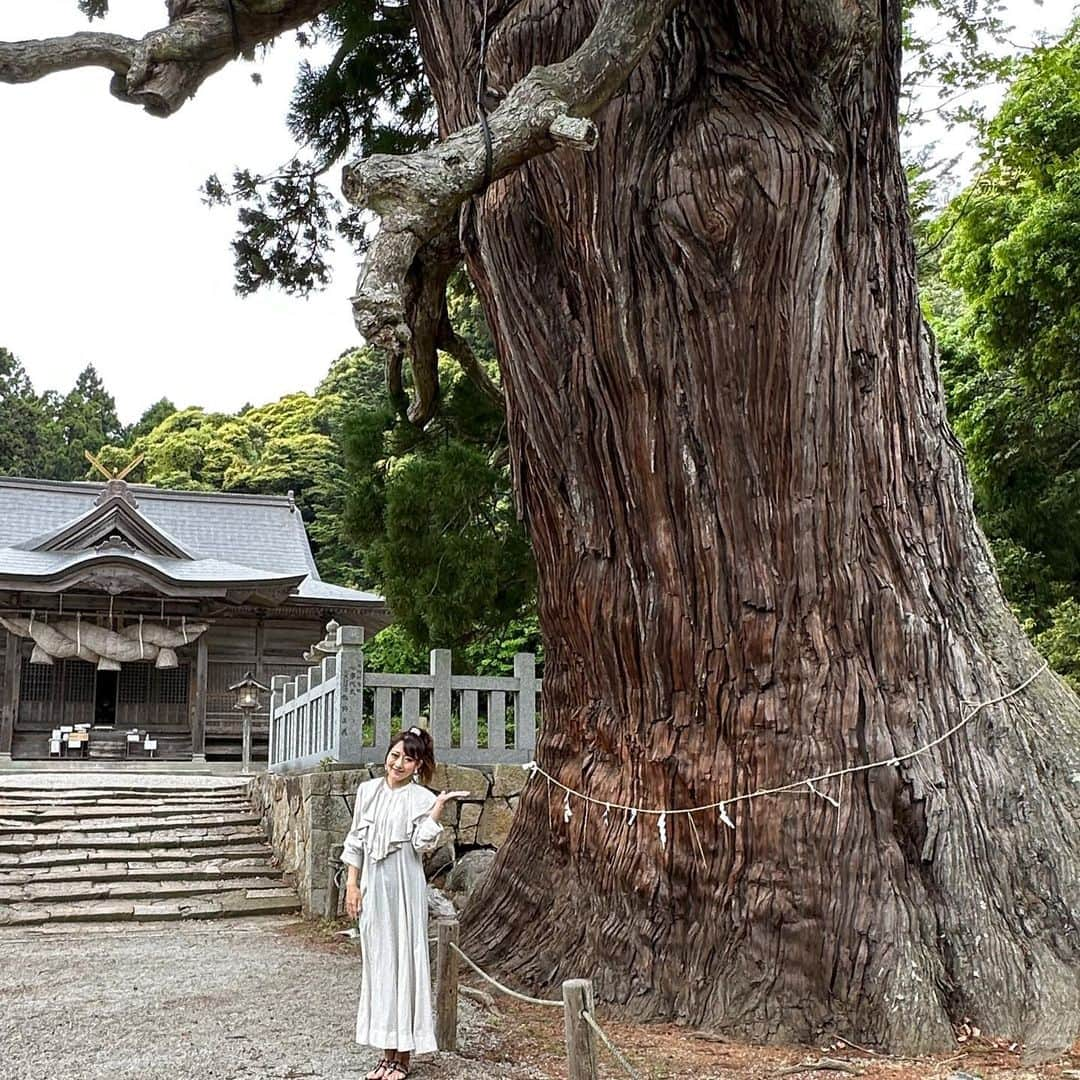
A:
[757,556]
[163,69]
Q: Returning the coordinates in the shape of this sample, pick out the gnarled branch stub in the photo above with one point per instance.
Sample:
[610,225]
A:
[417,196]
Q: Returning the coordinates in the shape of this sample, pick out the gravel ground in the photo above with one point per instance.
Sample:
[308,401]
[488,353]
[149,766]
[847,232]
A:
[208,1000]
[274,998]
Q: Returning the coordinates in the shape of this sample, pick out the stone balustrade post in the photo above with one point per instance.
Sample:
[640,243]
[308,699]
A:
[349,700]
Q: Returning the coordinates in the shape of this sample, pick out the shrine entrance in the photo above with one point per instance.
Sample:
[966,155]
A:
[105,699]
[71,693]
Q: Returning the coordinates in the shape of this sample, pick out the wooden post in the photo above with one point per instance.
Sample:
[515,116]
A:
[197,703]
[525,707]
[580,1042]
[9,709]
[245,743]
[260,649]
[333,894]
[446,985]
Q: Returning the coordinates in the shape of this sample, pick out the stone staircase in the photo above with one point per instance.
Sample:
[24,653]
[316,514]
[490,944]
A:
[134,854]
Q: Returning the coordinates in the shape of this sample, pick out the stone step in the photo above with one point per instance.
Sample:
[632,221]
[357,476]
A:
[98,854]
[110,795]
[99,811]
[222,905]
[157,870]
[47,796]
[46,892]
[213,837]
[61,798]
[138,823]
[83,856]
[80,856]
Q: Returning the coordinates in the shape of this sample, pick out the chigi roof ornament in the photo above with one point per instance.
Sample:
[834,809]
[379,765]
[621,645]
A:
[115,485]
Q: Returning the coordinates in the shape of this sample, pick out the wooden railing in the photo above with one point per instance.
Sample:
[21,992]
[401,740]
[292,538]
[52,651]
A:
[341,712]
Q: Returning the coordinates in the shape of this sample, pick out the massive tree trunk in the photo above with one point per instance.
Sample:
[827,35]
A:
[757,556]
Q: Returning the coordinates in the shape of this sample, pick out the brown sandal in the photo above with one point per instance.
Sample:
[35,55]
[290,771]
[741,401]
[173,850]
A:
[379,1072]
[397,1071]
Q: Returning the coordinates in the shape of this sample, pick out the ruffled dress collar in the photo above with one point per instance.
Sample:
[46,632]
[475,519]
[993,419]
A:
[389,816]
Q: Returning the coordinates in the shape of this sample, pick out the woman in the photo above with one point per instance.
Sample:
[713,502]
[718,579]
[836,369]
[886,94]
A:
[395,820]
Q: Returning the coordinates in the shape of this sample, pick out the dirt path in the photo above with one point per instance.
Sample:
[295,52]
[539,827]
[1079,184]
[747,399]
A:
[274,1000]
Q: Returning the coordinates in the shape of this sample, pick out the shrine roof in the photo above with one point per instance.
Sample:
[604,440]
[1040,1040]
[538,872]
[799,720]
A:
[219,537]
[17,563]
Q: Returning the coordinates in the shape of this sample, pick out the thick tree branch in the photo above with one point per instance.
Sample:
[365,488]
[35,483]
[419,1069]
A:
[25,61]
[425,299]
[161,70]
[418,195]
[431,331]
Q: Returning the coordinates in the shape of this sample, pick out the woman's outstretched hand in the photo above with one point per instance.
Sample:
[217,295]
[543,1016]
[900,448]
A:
[442,799]
[352,901]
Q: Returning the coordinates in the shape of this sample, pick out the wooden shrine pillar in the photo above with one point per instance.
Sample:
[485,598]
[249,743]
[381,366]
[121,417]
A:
[260,650]
[197,701]
[9,702]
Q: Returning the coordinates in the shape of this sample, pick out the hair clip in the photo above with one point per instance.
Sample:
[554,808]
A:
[415,731]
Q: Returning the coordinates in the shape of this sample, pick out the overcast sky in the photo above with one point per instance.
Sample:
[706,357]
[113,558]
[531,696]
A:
[109,257]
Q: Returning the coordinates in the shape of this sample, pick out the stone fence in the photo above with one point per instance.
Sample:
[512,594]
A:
[340,712]
[306,815]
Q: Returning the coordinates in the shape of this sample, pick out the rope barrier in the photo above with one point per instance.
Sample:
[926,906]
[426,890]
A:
[585,1014]
[499,986]
[588,1018]
[809,783]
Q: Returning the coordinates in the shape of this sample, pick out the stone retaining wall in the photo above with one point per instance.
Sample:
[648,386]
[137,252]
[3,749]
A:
[306,814]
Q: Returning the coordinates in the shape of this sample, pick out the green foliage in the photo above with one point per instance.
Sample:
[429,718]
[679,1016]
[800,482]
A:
[494,654]
[1007,314]
[433,514]
[949,47]
[45,436]
[24,443]
[175,451]
[451,555]
[285,235]
[1060,642]
[394,649]
[94,9]
[354,381]
[371,98]
[151,417]
[1015,251]
[373,95]
[85,419]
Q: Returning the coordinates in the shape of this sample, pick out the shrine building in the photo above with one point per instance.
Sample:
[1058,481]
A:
[127,612]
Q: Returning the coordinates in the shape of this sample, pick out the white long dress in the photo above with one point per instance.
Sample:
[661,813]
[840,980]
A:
[390,831]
